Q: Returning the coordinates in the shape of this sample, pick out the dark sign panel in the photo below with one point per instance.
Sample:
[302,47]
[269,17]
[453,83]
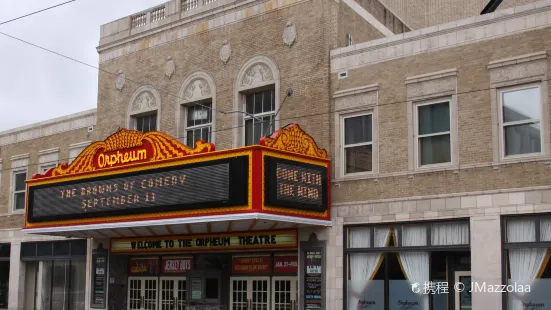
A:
[210,184]
[297,185]
[313,280]
[99,283]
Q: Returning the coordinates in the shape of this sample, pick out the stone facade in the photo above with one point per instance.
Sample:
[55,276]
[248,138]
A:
[37,146]
[465,62]
[419,14]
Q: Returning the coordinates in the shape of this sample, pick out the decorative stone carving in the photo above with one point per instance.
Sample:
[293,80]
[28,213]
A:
[169,67]
[257,74]
[518,71]
[144,100]
[197,88]
[289,34]
[121,79]
[225,52]
[431,87]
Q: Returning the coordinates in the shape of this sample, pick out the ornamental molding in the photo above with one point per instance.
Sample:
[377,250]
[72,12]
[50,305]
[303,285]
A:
[197,89]
[170,67]
[145,99]
[225,52]
[292,138]
[256,75]
[197,86]
[120,80]
[159,146]
[289,34]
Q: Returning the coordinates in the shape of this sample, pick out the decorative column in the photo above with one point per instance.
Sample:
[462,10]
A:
[486,260]
[16,296]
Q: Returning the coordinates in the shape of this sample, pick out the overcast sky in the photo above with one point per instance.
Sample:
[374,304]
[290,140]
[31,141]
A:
[36,85]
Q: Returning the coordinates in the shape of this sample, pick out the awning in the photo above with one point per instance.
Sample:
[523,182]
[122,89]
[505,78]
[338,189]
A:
[181,226]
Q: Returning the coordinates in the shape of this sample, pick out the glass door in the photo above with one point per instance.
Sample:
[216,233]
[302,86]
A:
[239,294]
[142,293]
[284,292]
[463,298]
[172,294]
[251,293]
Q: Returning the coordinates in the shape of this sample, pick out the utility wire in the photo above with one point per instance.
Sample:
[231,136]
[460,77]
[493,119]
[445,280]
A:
[303,116]
[36,12]
[105,71]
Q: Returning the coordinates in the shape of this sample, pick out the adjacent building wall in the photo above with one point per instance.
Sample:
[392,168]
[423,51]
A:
[31,147]
[424,13]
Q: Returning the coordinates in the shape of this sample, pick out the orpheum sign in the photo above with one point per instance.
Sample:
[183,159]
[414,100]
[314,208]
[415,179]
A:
[143,176]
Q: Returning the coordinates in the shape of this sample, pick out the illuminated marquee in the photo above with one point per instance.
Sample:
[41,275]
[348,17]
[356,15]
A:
[135,176]
[234,241]
[115,158]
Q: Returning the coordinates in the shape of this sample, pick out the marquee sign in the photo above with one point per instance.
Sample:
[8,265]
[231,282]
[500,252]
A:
[217,242]
[135,176]
[206,185]
[295,185]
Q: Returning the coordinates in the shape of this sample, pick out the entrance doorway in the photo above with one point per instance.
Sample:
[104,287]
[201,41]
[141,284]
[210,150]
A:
[142,293]
[252,293]
[172,293]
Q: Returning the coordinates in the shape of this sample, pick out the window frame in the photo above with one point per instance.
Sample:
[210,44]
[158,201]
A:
[186,113]
[134,120]
[397,226]
[46,166]
[349,40]
[417,137]
[506,246]
[343,145]
[502,124]
[246,117]
[14,191]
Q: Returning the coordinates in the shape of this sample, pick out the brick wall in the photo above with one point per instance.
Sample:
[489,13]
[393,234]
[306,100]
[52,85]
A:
[425,13]
[303,67]
[476,170]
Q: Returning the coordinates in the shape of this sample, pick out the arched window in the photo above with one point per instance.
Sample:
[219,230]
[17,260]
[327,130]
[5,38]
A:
[144,109]
[195,118]
[257,95]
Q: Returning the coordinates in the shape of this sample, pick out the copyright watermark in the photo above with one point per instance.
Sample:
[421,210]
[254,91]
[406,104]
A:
[434,288]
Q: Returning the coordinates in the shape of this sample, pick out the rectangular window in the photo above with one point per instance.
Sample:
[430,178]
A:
[198,123]
[19,190]
[521,116]
[433,133]
[384,262]
[260,120]
[145,123]
[358,143]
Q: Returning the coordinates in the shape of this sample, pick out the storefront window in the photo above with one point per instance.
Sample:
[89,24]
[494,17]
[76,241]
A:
[527,254]
[389,268]
[56,272]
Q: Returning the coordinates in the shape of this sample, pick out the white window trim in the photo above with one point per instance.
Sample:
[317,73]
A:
[47,165]
[12,189]
[134,119]
[131,115]
[452,132]
[343,146]
[257,115]
[241,91]
[186,127]
[182,103]
[502,124]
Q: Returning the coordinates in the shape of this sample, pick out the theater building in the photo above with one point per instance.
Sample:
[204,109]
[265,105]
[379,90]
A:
[171,226]
[297,154]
